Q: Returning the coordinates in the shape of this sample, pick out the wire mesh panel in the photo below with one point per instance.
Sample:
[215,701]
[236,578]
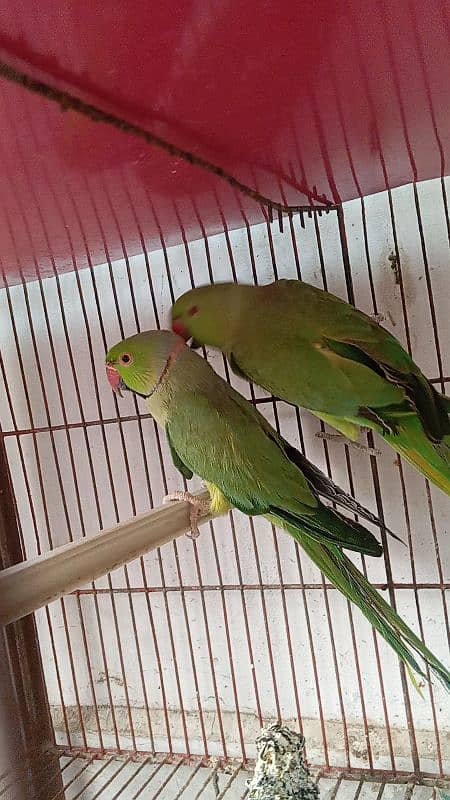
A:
[191,649]
[136,778]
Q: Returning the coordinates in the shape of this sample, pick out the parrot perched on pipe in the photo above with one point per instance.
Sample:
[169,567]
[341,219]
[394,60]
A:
[311,349]
[215,433]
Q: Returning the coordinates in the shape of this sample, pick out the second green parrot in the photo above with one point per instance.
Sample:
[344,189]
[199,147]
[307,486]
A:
[311,349]
[215,433]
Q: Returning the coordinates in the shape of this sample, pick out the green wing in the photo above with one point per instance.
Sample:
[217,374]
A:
[317,351]
[223,441]
[385,358]
[222,438]
[353,335]
[178,463]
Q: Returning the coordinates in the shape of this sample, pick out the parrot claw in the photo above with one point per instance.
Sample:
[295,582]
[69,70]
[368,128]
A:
[339,437]
[199,508]
[378,318]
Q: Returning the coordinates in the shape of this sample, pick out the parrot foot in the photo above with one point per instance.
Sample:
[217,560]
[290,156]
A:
[199,508]
[378,318]
[338,437]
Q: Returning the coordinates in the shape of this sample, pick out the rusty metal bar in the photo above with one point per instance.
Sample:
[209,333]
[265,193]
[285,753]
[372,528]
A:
[33,728]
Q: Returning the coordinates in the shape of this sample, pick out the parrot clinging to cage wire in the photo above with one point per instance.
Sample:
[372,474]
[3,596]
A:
[215,433]
[311,349]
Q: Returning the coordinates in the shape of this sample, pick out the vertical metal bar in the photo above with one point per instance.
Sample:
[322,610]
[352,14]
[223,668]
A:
[377,656]
[351,298]
[143,570]
[164,478]
[419,617]
[191,274]
[238,564]
[275,410]
[345,255]
[445,202]
[438,354]
[299,567]
[138,327]
[47,412]
[216,557]
[430,504]
[199,575]
[66,227]
[403,678]
[25,475]
[374,634]
[341,226]
[251,523]
[426,267]
[380,513]
[105,446]
[34,719]
[13,757]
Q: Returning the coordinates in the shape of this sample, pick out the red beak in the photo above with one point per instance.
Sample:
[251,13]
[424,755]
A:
[113,379]
[180,330]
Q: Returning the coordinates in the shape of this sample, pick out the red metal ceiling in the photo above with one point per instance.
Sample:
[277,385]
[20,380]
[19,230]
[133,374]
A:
[296,99]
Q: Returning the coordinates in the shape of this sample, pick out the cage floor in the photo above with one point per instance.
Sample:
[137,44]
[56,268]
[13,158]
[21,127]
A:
[74,776]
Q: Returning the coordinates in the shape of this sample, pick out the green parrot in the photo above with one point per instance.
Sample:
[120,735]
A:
[311,349]
[215,433]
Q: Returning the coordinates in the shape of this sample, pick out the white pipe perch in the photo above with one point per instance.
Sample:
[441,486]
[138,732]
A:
[37,581]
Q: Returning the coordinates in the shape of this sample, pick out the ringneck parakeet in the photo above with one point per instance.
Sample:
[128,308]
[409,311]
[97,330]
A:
[214,432]
[311,349]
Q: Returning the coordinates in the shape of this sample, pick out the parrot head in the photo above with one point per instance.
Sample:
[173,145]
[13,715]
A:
[137,364]
[206,314]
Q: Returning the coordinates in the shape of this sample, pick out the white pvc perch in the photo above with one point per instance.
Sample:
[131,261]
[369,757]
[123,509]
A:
[36,582]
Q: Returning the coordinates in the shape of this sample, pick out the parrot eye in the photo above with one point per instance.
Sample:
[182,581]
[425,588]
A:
[125,359]
[193,311]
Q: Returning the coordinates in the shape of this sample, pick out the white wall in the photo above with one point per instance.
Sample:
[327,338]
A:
[83,674]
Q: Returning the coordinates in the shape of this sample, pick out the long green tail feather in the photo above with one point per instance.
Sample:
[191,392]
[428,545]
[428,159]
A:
[432,460]
[411,442]
[343,574]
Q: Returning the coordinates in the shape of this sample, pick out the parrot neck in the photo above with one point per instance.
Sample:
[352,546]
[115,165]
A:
[189,375]
[158,399]
[172,357]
